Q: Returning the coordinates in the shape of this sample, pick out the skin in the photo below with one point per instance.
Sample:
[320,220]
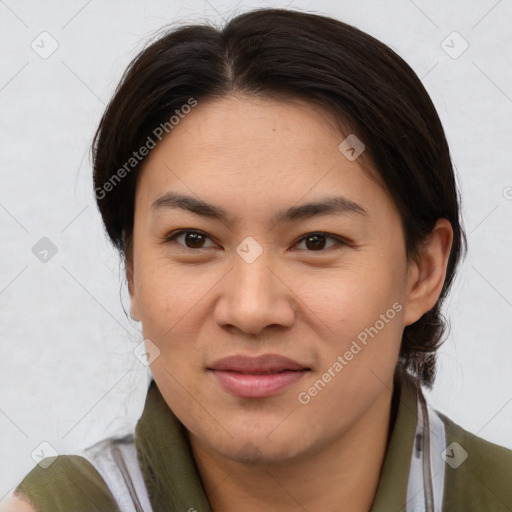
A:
[16,504]
[197,304]
[252,157]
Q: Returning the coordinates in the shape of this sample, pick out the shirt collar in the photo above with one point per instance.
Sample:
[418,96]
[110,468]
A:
[173,481]
[392,489]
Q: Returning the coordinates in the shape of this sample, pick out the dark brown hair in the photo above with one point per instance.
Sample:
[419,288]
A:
[290,54]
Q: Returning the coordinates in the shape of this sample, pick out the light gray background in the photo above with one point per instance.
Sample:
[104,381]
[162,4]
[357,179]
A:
[68,375]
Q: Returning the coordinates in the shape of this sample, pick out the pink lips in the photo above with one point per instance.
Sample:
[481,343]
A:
[257,377]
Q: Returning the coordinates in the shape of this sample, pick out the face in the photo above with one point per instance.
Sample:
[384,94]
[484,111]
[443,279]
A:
[255,276]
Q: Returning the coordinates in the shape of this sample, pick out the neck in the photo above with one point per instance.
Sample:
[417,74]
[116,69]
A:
[342,476]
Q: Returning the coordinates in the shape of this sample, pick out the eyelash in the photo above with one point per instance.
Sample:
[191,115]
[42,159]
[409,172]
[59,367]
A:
[340,241]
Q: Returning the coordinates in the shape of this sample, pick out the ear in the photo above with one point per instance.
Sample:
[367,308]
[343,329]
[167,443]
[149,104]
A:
[134,307]
[426,276]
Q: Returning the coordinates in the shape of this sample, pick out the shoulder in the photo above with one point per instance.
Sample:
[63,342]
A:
[63,483]
[16,504]
[478,473]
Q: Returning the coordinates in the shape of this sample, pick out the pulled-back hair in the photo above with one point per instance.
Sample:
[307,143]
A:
[283,53]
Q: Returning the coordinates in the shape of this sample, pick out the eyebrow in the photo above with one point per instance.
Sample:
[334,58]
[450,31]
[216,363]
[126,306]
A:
[327,206]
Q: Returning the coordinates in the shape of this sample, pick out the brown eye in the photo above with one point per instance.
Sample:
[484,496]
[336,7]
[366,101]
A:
[194,240]
[317,241]
[190,239]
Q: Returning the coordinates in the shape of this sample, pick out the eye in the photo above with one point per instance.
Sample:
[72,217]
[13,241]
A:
[317,241]
[189,239]
[313,242]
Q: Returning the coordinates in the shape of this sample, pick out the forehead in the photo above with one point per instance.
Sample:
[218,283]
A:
[254,153]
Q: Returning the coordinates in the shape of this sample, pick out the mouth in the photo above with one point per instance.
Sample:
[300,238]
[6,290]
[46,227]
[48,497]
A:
[257,377]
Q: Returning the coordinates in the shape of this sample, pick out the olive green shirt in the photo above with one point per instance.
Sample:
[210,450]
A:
[483,483]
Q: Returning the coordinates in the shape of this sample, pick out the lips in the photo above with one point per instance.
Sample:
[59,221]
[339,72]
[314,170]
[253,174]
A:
[257,377]
[267,363]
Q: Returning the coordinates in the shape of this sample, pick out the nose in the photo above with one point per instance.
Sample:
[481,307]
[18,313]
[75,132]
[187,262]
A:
[254,297]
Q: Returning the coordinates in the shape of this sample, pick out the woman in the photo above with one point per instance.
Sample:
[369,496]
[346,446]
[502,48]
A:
[282,195]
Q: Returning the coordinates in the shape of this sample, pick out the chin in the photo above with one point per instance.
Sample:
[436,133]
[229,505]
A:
[261,449]
[257,454]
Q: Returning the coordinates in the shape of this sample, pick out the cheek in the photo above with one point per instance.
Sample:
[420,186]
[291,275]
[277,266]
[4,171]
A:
[167,294]
[358,352]
[349,301]
[363,310]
